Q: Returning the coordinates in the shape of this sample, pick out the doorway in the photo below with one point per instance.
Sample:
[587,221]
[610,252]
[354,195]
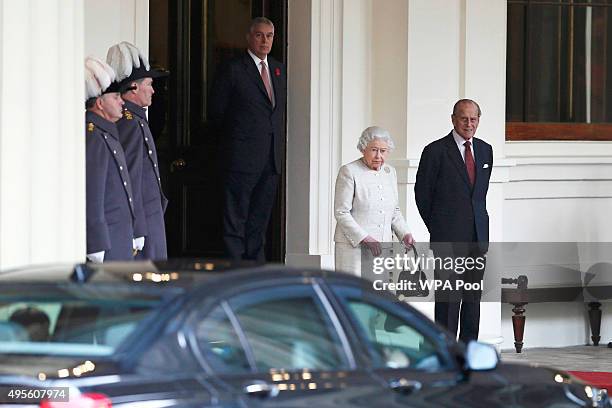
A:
[191,38]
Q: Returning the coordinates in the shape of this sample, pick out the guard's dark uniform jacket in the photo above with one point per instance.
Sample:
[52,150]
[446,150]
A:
[149,200]
[110,207]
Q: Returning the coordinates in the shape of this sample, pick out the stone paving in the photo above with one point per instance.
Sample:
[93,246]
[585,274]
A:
[576,358]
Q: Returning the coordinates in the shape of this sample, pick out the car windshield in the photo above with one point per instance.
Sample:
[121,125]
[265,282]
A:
[71,319]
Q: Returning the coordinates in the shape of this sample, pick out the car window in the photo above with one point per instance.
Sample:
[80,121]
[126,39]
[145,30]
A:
[70,320]
[394,341]
[287,328]
[220,344]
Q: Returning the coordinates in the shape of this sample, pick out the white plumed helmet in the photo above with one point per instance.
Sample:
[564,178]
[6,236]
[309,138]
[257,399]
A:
[130,64]
[98,78]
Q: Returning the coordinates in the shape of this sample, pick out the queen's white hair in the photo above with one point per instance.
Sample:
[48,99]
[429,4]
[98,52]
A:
[372,133]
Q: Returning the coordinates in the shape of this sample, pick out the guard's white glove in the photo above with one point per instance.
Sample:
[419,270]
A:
[96,257]
[138,243]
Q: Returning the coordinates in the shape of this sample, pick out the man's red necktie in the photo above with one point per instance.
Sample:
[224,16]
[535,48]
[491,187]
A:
[266,81]
[469,163]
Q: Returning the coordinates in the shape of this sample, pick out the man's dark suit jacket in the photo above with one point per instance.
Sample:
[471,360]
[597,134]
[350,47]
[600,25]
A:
[451,209]
[247,123]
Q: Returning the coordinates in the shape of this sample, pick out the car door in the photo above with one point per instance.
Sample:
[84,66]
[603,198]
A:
[411,356]
[280,344]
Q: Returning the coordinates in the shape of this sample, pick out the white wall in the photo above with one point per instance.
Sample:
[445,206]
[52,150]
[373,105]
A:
[329,104]
[111,21]
[558,192]
[389,72]
[542,191]
[402,67]
[455,49]
[556,325]
[42,172]
[358,66]
[547,325]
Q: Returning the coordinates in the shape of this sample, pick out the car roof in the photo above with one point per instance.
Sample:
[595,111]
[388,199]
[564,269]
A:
[178,272]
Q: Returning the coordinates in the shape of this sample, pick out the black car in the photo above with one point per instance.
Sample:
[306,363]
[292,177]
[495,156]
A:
[210,335]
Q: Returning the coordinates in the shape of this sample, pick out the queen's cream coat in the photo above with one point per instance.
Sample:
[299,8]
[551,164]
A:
[366,203]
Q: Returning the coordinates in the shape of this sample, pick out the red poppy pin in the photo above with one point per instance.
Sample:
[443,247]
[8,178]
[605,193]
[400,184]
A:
[277,72]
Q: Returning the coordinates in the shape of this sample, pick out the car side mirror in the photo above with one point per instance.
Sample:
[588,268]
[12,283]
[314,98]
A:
[480,356]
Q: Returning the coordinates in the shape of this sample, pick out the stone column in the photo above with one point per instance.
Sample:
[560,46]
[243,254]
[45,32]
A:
[42,145]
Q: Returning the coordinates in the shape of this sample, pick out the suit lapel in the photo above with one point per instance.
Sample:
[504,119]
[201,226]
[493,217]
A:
[275,79]
[453,152]
[255,75]
[480,160]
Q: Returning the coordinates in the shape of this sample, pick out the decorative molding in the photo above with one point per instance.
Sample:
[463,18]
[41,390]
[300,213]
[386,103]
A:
[414,163]
[557,149]
[529,169]
[563,160]
[407,169]
[558,189]
[141,25]
[326,105]
[42,211]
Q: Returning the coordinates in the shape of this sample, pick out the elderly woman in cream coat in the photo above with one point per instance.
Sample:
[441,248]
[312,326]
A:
[366,203]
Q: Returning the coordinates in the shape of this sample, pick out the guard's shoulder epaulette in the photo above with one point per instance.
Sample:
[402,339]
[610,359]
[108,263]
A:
[127,114]
[90,127]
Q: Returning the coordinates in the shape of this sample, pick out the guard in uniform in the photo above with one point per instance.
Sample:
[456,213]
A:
[109,199]
[133,72]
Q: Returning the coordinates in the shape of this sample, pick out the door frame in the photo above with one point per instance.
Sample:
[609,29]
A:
[179,13]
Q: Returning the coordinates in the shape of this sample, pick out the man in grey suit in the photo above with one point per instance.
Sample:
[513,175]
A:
[451,195]
[109,199]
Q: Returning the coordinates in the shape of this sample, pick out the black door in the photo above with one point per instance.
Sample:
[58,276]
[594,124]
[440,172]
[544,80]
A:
[192,38]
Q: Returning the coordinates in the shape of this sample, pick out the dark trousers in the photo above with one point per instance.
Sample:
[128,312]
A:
[454,305]
[248,202]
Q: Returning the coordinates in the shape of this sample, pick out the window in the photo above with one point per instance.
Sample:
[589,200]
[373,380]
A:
[559,70]
[288,328]
[220,344]
[396,338]
[397,343]
[71,320]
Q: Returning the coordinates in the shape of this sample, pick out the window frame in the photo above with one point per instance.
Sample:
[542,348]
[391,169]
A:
[144,332]
[224,300]
[556,131]
[394,307]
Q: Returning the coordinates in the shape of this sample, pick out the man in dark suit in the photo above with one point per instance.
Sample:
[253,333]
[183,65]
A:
[451,191]
[135,80]
[247,107]
[110,204]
